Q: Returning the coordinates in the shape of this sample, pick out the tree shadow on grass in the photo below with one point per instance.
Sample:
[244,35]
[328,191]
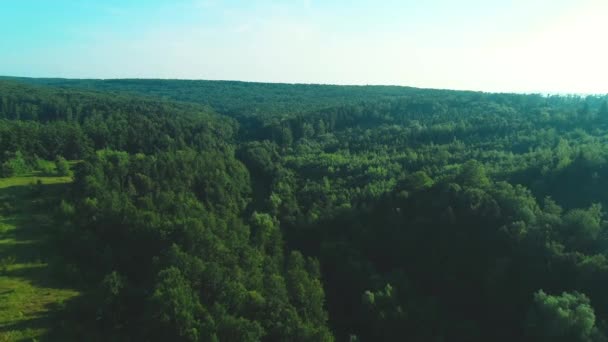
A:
[26,213]
[56,323]
[26,221]
[17,331]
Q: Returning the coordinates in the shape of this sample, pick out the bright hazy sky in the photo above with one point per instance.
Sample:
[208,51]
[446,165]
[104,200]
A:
[490,45]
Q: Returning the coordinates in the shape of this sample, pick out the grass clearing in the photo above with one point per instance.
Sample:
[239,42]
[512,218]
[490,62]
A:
[31,180]
[29,294]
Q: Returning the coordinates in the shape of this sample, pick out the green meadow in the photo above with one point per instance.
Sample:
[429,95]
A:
[30,295]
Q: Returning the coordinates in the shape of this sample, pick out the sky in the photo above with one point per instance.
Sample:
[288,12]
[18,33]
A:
[555,46]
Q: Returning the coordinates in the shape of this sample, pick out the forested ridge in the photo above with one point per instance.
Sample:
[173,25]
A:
[232,211]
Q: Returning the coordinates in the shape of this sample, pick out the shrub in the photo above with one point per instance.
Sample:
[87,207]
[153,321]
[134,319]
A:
[6,262]
[46,167]
[62,167]
[14,166]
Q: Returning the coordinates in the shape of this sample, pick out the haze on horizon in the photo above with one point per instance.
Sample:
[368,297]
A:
[555,46]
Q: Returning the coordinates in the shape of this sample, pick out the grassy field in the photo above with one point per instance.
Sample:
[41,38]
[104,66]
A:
[29,294]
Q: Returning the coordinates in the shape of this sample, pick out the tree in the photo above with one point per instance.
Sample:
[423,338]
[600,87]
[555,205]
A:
[603,112]
[176,306]
[473,174]
[286,136]
[308,130]
[266,234]
[568,317]
[418,180]
[582,227]
[306,294]
[385,314]
[320,127]
[112,304]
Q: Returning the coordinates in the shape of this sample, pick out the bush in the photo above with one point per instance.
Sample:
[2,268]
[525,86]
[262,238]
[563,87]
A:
[6,262]
[62,167]
[46,167]
[14,166]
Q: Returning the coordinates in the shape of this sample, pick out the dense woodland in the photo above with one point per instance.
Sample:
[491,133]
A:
[230,211]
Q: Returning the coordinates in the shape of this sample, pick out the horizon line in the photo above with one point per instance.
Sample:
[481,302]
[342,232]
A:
[542,93]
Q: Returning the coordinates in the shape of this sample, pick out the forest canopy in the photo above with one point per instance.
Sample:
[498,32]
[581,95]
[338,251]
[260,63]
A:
[232,211]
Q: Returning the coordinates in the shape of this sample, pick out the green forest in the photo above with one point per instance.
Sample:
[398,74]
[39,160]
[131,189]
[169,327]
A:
[177,210]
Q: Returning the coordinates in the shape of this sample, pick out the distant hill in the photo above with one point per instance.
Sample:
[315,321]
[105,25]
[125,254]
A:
[231,97]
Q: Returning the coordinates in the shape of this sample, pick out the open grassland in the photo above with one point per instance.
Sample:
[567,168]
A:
[29,293]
